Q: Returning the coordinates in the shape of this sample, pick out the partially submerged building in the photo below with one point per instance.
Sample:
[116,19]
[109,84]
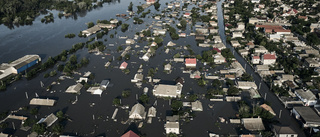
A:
[74,88]
[163,90]
[42,102]
[137,112]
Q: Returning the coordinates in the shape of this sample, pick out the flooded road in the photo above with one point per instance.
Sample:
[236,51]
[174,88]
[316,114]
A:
[277,106]
[91,115]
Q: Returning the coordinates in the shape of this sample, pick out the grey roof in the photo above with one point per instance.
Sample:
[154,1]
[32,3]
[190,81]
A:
[306,94]
[152,112]
[42,102]
[74,88]
[138,109]
[3,135]
[308,114]
[283,129]
[49,120]
[196,106]
[253,124]
[24,61]
[162,89]
[172,125]
[174,118]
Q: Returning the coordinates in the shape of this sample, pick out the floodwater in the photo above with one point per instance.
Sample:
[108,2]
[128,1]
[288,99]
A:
[95,120]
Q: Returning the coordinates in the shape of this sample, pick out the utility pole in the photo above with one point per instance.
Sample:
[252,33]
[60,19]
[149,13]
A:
[280,113]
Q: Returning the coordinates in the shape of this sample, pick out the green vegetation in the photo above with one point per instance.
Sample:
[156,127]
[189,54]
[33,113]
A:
[216,83]
[151,72]
[48,18]
[227,54]
[143,15]
[140,9]
[124,27]
[173,33]
[130,7]
[116,102]
[233,91]
[96,45]
[90,24]
[126,93]
[34,111]
[24,11]
[39,128]
[137,20]
[157,5]
[144,99]
[246,77]
[176,105]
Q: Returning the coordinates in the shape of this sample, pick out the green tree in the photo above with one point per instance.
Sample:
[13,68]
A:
[39,128]
[130,6]
[57,128]
[193,97]
[84,61]
[157,5]
[60,115]
[144,99]
[233,91]
[229,82]
[313,39]
[90,24]
[116,102]
[216,83]
[34,111]
[158,40]
[126,93]
[63,58]
[73,59]
[176,105]
[246,77]
[127,57]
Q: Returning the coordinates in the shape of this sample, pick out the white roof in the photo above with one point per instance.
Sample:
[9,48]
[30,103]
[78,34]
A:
[170,90]
[42,102]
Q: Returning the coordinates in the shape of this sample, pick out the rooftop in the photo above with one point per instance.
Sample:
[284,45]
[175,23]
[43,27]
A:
[308,114]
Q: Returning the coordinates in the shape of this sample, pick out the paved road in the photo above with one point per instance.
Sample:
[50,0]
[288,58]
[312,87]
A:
[278,107]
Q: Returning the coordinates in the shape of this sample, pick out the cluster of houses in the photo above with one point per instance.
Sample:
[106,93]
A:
[262,60]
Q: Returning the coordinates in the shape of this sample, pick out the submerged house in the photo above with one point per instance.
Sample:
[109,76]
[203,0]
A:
[74,88]
[137,112]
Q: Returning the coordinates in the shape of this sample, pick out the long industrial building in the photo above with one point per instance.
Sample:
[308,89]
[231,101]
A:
[18,66]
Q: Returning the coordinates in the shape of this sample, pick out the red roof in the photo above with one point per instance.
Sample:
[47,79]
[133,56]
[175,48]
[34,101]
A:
[130,134]
[124,65]
[281,30]
[191,61]
[302,17]
[269,56]
[294,10]
[187,14]
[197,76]
[256,57]
[216,49]
[269,26]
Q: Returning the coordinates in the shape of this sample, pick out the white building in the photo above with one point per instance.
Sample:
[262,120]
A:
[255,1]
[163,90]
[307,97]
[172,125]
[268,59]
[196,106]
[74,88]
[284,131]
[246,85]
[237,35]
[130,41]
[255,60]
[146,56]
[137,112]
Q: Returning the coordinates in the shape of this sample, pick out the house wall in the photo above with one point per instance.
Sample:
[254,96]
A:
[172,130]
[268,61]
